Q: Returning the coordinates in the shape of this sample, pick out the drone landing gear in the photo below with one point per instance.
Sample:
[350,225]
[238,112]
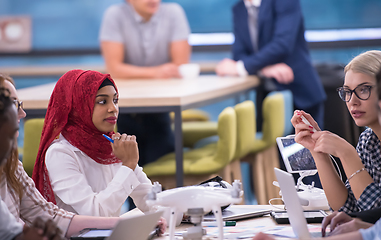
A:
[196,232]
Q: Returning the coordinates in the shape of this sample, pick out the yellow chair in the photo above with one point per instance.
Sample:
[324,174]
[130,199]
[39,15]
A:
[192,115]
[246,128]
[201,166]
[195,131]
[196,126]
[32,136]
[264,155]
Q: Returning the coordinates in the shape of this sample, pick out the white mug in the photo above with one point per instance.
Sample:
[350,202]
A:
[189,70]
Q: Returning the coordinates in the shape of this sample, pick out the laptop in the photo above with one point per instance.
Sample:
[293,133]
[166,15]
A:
[294,208]
[233,213]
[134,228]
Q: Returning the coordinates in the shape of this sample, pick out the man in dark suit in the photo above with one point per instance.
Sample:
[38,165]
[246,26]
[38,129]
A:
[269,42]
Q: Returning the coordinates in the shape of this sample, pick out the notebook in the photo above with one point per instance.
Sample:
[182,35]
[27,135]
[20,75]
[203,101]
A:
[134,228]
[294,208]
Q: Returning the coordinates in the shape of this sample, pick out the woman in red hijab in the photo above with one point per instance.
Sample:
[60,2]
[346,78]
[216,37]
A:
[76,167]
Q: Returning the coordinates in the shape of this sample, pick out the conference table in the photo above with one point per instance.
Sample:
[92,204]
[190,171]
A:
[157,95]
[247,228]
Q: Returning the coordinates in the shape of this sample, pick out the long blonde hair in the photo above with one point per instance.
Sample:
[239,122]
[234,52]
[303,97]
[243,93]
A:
[10,167]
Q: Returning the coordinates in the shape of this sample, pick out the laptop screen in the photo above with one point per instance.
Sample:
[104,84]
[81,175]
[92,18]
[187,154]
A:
[133,228]
[294,208]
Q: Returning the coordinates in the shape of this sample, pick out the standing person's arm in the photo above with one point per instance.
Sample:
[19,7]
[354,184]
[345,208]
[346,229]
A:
[269,59]
[113,54]
[286,26]
[180,52]
[113,50]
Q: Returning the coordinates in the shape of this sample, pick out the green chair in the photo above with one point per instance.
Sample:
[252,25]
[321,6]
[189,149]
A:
[32,136]
[196,126]
[246,128]
[192,115]
[195,131]
[264,155]
[205,162]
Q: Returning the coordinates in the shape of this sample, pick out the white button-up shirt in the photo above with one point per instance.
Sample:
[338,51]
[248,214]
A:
[83,186]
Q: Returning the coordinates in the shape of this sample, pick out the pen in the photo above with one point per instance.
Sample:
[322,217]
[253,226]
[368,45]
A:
[214,224]
[154,233]
[108,138]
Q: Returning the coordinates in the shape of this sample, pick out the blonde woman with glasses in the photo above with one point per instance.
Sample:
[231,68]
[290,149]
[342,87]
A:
[362,190]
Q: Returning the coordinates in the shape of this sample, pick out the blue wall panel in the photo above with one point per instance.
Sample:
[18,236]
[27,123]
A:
[62,24]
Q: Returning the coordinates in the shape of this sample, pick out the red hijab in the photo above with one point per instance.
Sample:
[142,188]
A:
[70,113]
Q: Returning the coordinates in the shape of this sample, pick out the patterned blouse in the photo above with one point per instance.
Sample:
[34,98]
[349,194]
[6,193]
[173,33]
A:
[32,203]
[368,149]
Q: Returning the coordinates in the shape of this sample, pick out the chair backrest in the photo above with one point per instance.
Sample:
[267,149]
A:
[225,149]
[32,136]
[288,110]
[273,117]
[246,128]
[227,136]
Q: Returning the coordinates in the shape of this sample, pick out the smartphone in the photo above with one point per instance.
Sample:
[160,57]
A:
[281,217]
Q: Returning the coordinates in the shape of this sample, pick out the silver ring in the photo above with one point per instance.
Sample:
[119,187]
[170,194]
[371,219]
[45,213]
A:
[117,138]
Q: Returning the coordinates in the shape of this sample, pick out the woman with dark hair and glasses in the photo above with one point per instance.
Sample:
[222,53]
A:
[362,190]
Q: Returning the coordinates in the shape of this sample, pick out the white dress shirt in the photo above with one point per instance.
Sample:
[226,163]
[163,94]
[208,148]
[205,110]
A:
[241,70]
[83,186]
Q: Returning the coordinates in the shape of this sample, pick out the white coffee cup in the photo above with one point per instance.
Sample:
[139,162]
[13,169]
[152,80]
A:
[189,70]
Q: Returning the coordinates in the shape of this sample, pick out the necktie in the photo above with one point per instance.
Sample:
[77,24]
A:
[253,25]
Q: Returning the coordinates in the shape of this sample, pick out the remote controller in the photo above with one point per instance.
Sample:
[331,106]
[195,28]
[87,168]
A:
[307,122]
[313,198]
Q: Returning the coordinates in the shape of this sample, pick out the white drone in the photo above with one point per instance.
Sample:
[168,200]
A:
[195,201]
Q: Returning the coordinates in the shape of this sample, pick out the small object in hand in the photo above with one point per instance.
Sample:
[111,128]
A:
[154,233]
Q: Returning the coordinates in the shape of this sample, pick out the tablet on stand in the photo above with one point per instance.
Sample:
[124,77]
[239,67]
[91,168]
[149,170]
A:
[296,158]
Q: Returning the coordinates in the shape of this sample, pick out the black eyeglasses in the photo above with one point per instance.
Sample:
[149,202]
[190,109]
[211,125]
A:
[361,91]
[18,104]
